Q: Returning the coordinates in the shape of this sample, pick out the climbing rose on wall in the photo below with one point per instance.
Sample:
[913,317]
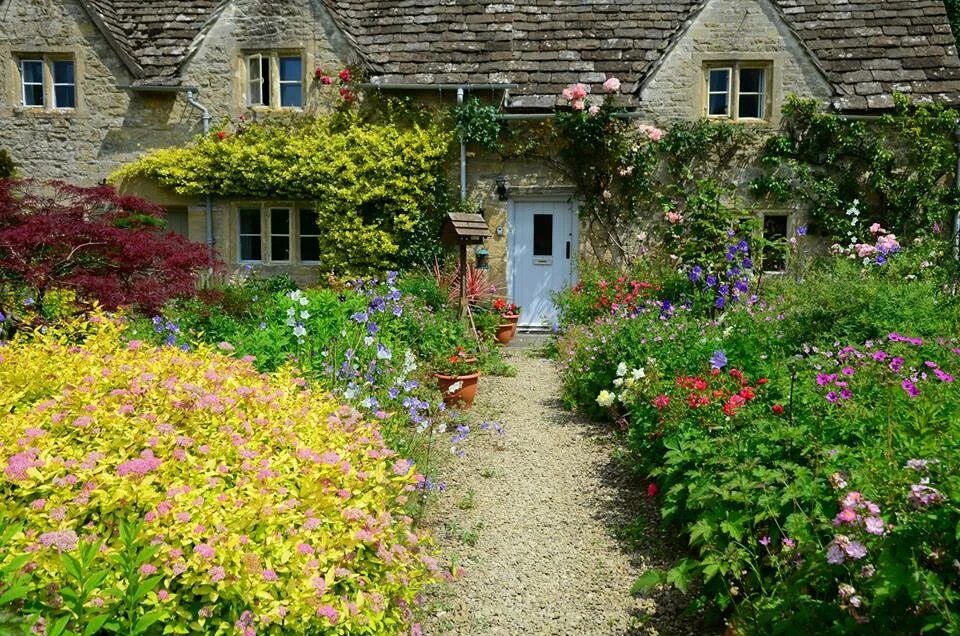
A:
[95,241]
[612,85]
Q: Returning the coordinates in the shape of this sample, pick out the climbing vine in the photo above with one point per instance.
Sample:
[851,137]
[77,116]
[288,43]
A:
[376,185]
[900,167]
[478,123]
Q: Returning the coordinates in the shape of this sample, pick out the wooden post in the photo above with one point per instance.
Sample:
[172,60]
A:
[463,277]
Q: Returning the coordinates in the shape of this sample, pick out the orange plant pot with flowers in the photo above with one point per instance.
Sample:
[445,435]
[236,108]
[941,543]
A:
[509,316]
[457,377]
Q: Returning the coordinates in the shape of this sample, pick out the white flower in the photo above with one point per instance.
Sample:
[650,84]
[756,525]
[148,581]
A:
[304,301]
[368,340]
[299,331]
[606,398]
[291,322]
[617,381]
[291,311]
[304,314]
[295,294]
[638,373]
[621,369]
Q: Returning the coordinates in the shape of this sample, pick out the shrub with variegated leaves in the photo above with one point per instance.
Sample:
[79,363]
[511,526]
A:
[261,505]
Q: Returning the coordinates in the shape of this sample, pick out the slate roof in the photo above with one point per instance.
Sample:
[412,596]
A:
[152,37]
[866,48]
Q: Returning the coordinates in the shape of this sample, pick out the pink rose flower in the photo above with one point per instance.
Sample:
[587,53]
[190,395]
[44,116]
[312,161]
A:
[612,85]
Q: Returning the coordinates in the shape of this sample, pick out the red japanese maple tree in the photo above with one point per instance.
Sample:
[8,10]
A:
[93,240]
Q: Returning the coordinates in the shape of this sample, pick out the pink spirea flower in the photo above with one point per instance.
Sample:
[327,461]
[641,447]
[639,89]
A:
[402,467]
[20,463]
[38,504]
[163,595]
[205,550]
[225,346]
[612,85]
[147,569]
[146,463]
[217,573]
[305,548]
[330,613]
[63,541]
[269,575]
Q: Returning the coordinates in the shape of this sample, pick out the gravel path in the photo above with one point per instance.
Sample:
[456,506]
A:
[533,517]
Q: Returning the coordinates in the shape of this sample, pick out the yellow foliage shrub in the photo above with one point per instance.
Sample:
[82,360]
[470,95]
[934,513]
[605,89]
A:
[274,509]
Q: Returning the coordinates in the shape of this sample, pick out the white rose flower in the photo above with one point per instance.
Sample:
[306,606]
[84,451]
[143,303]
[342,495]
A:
[606,398]
[621,369]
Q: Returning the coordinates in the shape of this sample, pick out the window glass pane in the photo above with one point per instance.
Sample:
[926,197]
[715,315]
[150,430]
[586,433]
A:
[308,223]
[718,104]
[250,248]
[751,80]
[719,80]
[265,85]
[280,248]
[543,235]
[64,96]
[279,221]
[750,106]
[309,248]
[291,95]
[63,72]
[290,69]
[774,256]
[33,95]
[32,71]
[250,221]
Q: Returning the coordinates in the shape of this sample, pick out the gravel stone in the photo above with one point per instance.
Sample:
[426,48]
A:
[533,517]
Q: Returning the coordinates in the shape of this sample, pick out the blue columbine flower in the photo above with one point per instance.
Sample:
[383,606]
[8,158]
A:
[718,360]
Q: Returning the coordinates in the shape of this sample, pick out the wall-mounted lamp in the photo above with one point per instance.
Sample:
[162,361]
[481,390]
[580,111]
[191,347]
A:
[502,192]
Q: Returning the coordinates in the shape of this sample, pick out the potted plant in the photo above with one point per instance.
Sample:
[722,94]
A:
[509,315]
[457,375]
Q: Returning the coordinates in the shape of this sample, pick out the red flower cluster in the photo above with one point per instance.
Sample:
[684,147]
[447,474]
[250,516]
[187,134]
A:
[501,307]
[717,389]
[622,294]
[345,76]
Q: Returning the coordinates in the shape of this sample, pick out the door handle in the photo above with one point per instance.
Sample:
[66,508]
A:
[568,250]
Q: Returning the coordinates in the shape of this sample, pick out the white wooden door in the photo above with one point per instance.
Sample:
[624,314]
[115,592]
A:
[543,248]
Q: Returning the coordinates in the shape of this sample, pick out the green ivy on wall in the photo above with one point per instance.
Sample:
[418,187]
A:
[377,185]
[478,124]
[900,166]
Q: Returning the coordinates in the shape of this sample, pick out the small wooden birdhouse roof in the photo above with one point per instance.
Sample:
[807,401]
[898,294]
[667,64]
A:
[464,229]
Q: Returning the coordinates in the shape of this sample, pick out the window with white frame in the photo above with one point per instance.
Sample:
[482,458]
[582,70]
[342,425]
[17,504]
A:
[273,79]
[48,81]
[309,236]
[282,234]
[737,90]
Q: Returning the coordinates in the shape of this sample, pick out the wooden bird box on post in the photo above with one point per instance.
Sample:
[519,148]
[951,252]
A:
[462,230]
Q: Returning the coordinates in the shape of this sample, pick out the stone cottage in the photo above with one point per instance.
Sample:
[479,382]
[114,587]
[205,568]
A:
[88,85]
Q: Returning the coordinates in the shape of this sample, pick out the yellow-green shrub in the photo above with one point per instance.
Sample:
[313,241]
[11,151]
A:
[296,499]
[374,184]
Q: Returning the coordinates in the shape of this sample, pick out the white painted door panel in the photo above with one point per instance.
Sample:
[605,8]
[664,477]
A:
[542,257]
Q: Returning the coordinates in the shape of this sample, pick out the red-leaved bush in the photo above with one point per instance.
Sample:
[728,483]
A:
[102,245]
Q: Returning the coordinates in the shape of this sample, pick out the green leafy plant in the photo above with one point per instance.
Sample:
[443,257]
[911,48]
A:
[478,123]
[7,167]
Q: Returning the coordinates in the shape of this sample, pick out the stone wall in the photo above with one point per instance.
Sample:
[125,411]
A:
[731,30]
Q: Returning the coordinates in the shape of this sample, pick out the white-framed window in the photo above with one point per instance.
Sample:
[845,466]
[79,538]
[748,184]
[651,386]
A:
[274,79]
[281,233]
[48,81]
[251,239]
[309,230]
[737,90]
[31,80]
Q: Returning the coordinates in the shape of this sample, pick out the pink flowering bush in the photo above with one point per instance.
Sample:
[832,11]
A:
[249,502]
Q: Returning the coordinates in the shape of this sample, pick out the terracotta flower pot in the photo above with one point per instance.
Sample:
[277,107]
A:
[512,319]
[505,332]
[462,396]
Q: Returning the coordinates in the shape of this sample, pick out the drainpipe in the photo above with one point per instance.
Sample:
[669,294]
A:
[205,118]
[956,184]
[463,154]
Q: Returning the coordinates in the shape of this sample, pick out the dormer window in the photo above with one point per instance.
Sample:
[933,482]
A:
[274,80]
[737,90]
